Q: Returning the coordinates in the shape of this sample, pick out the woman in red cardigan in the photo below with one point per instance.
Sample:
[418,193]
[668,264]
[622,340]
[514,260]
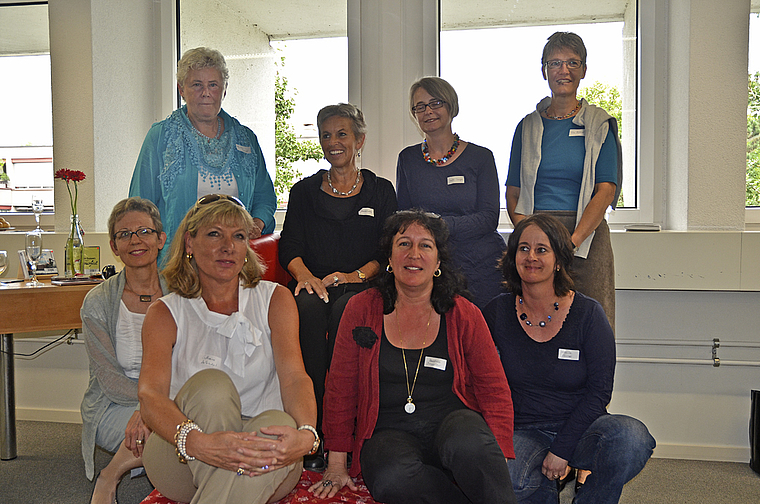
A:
[415,389]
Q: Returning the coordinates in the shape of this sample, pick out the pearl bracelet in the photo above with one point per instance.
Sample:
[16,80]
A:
[180,439]
[311,429]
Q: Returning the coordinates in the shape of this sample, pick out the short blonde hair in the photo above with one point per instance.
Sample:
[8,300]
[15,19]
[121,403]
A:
[181,273]
[198,58]
[437,88]
[134,204]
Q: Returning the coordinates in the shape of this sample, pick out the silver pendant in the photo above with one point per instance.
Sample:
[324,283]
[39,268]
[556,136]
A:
[409,407]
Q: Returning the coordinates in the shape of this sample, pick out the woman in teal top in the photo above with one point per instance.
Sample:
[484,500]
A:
[566,159]
[200,149]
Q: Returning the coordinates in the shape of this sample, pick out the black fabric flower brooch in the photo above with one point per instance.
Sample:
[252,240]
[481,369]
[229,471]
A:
[364,337]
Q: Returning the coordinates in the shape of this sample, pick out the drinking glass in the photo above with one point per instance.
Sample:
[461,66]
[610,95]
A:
[37,207]
[33,252]
[3,261]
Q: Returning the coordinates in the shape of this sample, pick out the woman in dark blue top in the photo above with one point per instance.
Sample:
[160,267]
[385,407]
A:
[458,181]
[558,353]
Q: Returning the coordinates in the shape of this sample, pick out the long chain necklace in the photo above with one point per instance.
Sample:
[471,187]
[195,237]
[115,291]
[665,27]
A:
[439,162]
[524,316]
[409,407]
[569,114]
[353,188]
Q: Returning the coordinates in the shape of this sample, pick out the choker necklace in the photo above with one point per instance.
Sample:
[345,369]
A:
[569,114]
[524,316]
[439,162]
[218,129]
[144,298]
[353,188]
[409,407]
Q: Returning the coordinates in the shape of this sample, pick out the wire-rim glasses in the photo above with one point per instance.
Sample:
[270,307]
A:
[571,64]
[126,235]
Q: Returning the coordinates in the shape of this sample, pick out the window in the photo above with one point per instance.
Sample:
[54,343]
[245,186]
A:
[753,114]
[506,45]
[26,130]
[253,41]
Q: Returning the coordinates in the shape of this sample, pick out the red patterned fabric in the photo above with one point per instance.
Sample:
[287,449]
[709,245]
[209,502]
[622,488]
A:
[299,495]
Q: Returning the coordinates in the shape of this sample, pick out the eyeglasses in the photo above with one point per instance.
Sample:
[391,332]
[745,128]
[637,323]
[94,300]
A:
[433,104]
[210,198]
[142,233]
[572,64]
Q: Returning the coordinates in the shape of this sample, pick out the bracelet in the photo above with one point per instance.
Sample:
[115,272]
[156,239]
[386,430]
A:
[311,429]
[180,439]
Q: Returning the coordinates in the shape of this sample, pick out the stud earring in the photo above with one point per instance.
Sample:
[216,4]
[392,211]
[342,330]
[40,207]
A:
[189,257]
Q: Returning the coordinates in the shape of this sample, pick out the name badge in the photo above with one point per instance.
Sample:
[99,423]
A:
[455,179]
[243,148]
[435,363]
[367,211]
[565,354]
[577,132]
[210,360]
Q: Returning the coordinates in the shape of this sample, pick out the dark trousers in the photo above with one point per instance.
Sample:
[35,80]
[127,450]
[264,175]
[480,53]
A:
[463,464]
[317,328]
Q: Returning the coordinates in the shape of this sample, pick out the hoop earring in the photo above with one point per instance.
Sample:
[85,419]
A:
[389,269]
[437,273]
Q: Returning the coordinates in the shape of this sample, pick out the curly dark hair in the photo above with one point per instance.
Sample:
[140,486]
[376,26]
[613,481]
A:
[449,284]
[561,244]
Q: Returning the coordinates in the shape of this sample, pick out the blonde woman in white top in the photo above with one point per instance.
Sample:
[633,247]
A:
[223,386]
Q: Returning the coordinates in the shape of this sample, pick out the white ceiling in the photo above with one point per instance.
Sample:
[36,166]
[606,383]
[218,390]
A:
[21,28]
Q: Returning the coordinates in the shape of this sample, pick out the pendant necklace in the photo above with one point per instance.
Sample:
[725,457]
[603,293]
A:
[409,407]
[524,316]
[144,298]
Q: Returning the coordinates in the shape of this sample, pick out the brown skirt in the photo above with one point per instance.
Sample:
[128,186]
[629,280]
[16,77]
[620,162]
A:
[595,275]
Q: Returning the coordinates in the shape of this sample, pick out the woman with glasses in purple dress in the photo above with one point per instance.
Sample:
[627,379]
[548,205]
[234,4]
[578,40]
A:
[457,180]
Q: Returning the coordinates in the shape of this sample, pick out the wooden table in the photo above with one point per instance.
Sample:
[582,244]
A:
[30,309]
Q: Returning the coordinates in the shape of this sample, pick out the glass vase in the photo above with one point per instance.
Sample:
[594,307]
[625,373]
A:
[74,254]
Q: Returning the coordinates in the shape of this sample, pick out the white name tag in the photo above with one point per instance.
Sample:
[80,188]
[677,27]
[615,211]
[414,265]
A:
[455,179]
[577,132]
[210,360]
[367,211]
[435,363]
[243,148]
[565,354]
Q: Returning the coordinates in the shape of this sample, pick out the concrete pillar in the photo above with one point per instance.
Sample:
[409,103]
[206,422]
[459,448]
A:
[396,42]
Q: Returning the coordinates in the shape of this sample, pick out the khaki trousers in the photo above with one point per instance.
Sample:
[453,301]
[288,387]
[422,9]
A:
[209,398]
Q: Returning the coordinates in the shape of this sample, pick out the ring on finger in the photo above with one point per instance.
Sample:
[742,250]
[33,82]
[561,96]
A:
[240,471]
[138,441]
[264,468]
[335,279]
[327,483]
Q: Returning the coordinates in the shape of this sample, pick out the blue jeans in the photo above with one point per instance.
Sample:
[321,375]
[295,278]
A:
[614,448]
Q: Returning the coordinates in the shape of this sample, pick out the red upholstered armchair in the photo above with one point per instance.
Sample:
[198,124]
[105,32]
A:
[267,248]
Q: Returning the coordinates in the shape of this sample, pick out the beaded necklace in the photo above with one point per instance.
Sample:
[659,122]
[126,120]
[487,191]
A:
[524,316]
[569,114]
[439,162]
[353,188]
